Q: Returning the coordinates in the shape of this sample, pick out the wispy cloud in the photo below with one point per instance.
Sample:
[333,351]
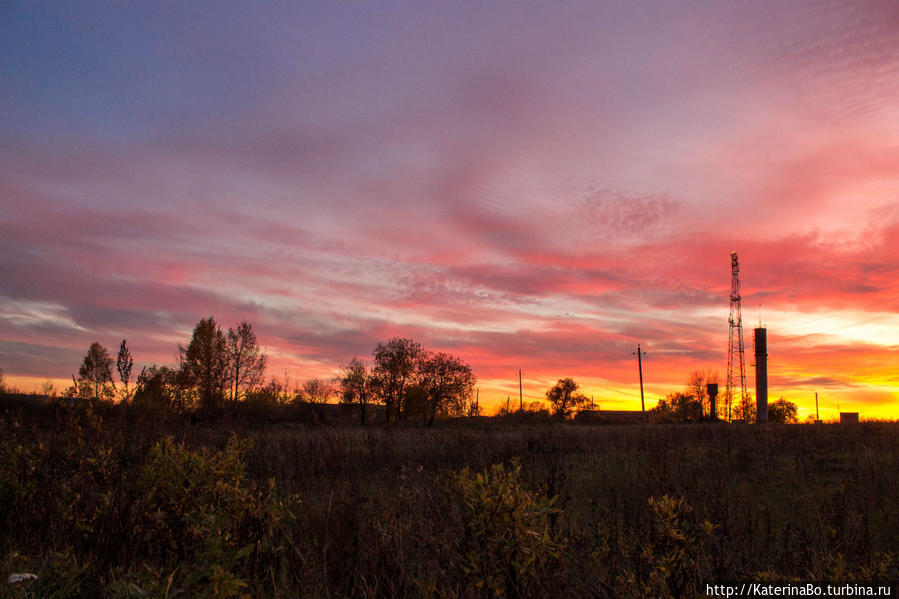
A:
[529,188]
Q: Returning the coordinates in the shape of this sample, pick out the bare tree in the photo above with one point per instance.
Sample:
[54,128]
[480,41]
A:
[697,388]
[48,389]
[745,408]
[124,363]
[564,398]
[316,391]
[355,386]
[96,372]
[447,382]
[246,361]
[395,368]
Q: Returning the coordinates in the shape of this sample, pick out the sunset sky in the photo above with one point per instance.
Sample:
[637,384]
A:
[534,186]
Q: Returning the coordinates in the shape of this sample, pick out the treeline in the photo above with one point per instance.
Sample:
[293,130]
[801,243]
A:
[222,371]
[226,370]
[693,404]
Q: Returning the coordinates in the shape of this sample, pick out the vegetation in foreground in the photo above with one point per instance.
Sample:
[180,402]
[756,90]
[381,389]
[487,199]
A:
[114,501]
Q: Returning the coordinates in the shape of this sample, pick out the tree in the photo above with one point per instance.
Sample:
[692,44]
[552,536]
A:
[269,396]
[205,362]
[685,406]
[447,383]
[48,389]
[783,411]
[395,368]
[745,409]
[96,372]
[563,397]
[316,391]
[355,386]
[2,381]
[415,402]
[156,387]
[246,361]
[123,364]
[697,388]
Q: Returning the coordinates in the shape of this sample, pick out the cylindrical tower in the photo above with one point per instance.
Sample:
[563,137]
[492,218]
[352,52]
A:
[761,375]
[712,390]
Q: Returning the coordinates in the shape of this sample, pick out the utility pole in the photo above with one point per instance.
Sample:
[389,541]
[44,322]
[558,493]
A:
[640,355]
[520,393]
[477,402]
[817,416]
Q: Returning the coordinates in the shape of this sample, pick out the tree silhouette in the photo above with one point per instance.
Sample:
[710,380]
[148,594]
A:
[205,363]
[355,386]
[246,361]
[395,368]
[447,382]
[563,397]
[696,386]
[679,406]
[745,408]
[156,387]
[316,391]
[96,371]
[124,363]
[783,411]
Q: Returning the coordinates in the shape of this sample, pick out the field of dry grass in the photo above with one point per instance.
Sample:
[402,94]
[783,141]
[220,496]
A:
[119,503]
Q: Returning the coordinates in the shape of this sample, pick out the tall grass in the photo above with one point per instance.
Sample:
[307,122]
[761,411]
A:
[115,502]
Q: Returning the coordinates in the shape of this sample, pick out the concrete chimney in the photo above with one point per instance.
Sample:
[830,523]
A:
[761,375]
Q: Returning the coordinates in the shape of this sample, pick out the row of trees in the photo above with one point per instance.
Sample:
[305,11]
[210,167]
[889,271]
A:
[217,368]
[409,380]
[95,377]
[222,366]
[693,404]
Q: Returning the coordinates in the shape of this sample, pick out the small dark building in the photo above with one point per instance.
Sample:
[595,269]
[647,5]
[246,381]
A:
[848,417]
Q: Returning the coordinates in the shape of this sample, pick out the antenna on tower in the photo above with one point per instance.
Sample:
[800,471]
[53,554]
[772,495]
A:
[736,363]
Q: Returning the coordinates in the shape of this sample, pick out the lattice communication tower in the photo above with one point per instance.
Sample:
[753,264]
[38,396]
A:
[735,359]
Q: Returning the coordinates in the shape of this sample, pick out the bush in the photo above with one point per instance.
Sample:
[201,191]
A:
[676,550]
[506,541]
[199,517]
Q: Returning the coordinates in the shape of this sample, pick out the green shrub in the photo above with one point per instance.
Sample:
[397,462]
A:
[203,521]
[676,550]
[507,542]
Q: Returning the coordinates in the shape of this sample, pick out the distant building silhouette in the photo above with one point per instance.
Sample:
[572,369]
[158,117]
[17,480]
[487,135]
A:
[848,417]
